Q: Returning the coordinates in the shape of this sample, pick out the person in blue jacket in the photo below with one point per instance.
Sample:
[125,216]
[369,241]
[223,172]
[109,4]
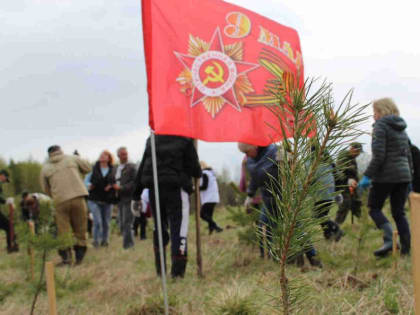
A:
[262,167]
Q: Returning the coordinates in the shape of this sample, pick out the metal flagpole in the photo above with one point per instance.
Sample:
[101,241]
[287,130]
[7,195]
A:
[158,218]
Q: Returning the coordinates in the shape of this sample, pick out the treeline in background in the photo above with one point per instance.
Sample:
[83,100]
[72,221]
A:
[24,176]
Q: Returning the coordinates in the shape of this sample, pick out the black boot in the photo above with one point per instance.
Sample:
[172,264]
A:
[214,227]
[179,264]
[80,252]
[405,244]
[157,261]
[218,229]
[211,229]
[65,257]
[143,225]
[313,260]
[336,232]
[387,247]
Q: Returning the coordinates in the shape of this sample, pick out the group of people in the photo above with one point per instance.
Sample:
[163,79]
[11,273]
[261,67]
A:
[83,193]
[392,172]
[71,181]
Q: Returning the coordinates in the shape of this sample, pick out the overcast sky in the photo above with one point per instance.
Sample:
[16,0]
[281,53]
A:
[72,72]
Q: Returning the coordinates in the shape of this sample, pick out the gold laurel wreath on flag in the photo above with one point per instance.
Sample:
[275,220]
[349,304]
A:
[242,85]
[277,89]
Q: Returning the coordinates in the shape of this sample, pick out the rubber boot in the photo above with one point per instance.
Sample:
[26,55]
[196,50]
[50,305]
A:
[179,264]
[405,244]
[387,247]
[80,252]
[65,257]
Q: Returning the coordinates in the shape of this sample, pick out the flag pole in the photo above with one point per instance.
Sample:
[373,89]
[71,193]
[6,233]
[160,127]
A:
[197,220]
[159,224]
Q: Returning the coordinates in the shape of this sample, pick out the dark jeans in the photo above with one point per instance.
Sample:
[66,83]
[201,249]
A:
[379,192]
[5,225]
[142,222]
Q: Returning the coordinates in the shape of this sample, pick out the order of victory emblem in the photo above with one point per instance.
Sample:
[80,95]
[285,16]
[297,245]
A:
[214,74]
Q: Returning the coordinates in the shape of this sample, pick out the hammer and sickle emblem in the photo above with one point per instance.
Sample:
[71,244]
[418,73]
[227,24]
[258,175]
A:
[213,76]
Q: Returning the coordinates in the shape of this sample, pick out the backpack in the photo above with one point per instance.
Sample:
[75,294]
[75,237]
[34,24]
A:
[415,155]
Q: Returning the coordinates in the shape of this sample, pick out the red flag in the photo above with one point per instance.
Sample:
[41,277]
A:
[207,65]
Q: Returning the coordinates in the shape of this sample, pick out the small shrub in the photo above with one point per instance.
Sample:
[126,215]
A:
[235,301]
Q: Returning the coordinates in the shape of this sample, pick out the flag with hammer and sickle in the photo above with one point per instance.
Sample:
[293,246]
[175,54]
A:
[206,64]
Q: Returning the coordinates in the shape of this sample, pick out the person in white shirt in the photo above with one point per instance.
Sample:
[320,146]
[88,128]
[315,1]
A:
[209,195]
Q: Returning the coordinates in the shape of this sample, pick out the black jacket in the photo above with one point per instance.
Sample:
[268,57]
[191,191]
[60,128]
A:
[99,183]
[177,162]
[415,153]
[126,181]
[346,168]
[2,199]
[391,156]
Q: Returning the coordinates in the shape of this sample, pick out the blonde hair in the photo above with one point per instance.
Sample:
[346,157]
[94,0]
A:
[203,165]
[386,106]
[110,157]
[245,147]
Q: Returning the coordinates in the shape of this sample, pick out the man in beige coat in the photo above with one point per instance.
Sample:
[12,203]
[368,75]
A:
[62,179]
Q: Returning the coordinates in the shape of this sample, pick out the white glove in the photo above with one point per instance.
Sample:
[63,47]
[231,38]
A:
[339,199]
[352,183]
[248,201]
[10,201]
[136,207]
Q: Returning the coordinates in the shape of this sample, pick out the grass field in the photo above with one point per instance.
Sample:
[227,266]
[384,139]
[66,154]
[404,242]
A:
[116,281]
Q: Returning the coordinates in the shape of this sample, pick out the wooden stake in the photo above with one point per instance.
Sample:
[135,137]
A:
[12,224]
[197,221]
[415,247]
[49,275]
[395,249]
[31,250]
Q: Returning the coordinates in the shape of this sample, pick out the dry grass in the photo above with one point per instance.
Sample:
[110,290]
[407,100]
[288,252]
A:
[116,281]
